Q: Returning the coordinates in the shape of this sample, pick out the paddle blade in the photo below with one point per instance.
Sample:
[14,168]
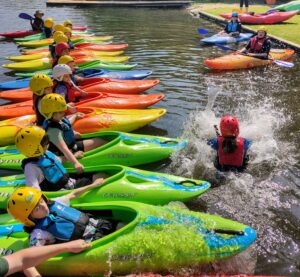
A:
[283,63]
[272,11]
[202,31]
[25,16]
[225,48]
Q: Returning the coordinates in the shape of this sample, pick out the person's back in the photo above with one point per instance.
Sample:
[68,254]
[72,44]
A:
[37,23]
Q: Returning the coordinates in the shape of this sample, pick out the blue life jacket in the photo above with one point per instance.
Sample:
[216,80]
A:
[63,222]
[232,27]
[68,134]
[55,174]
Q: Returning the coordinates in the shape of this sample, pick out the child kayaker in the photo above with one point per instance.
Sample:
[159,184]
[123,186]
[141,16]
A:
[48,27]
[58,28]
[54,221]
[68,23]
[231,149]
[57,38]
[259,46]
[233,27]
[42,169]
[68,34]
[37,23]
[64,141]
[61,48]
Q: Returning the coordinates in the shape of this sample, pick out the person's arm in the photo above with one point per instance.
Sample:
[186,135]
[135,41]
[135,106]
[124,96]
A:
[33,176]
[31,272]
[30,257]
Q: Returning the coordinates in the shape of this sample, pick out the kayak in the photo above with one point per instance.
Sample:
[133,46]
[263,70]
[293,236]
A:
[79,28]
[88,73]
[18,34]
[176,236]
[75,54]
[291,6]
[237,61]
[121,148]
[95,120]
[264,18]
[93,84]
[224,39]
[122,183]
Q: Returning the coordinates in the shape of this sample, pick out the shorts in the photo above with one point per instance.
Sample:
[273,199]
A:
[84,179]
[3,267]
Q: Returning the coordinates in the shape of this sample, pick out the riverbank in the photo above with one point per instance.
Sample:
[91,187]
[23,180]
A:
[284,33]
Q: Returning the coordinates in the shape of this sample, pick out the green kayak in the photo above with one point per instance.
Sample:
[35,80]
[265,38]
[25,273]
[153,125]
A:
[291,6]
[123,183]
[121,148]
[150,235]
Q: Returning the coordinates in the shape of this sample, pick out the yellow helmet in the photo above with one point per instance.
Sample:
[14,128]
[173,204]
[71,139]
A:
[49,22]
[56,34]
[28,141]
[61,38]
[59,27]
[67,30]
[52,103]
[22,202]
[68,22]
[39,82]
[262,28]
[65,59]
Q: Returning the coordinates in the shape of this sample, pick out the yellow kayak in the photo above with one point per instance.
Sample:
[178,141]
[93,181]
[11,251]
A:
[74,54]
[46,63]
[48,41]
[95,120]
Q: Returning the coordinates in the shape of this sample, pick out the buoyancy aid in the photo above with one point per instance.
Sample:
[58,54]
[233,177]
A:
[63,222]
[70,95]
[256,44]
[232,26]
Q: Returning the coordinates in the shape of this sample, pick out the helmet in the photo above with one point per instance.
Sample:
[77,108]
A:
[234,14]
[61,38]
[65,59]
[48,23]
[56,34]
[61,46]
[52,103]
[262,28]
[68,22]
[39,82]
[67,30]
[60,70]
[229,126]
[22,202]
[28,141]
[59,27]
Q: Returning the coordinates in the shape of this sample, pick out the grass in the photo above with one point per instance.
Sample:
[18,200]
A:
[288,30]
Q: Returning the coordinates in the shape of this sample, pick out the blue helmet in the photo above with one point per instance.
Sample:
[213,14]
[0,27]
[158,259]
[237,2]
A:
[234,14]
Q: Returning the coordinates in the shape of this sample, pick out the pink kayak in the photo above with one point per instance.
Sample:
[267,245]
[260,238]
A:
[263,18]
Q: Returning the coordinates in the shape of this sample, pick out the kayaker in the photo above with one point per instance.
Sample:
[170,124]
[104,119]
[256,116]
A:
[64,141]
[231,149]
[42,169]
[53,221]
[68,23]
[57,38]
[25,260]
[63,83]
[259,46]
[58,28]
[68,34]
[233,27]
[61,48]
[68,60]
[48,27]
[37,23]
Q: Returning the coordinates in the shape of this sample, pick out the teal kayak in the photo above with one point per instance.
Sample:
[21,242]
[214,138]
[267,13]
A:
[123,183]
[147,235]
[121,148]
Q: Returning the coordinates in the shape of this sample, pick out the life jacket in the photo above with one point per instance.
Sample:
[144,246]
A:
[63,222]
[47,32]
[37,24]
[55,174]
[39,117]
[232,26]
[68,134]
[235,159]
[70,95]
[256,44]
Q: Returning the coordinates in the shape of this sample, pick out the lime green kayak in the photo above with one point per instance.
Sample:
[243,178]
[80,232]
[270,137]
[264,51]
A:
[150,235]
[121,148]
[123,183]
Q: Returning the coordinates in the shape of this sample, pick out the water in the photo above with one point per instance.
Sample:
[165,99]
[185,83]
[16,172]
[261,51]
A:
[266,101]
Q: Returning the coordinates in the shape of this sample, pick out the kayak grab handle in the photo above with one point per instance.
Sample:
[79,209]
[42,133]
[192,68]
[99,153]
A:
[188,182]
[228,232]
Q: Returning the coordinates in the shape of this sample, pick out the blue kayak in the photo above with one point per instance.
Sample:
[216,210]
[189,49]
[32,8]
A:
[221,39]
[120,75]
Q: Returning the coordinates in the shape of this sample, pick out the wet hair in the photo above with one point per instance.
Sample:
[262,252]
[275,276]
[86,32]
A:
[229,145]
[45,140]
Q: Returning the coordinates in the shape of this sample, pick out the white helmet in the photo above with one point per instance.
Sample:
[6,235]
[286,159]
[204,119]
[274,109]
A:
[60,70]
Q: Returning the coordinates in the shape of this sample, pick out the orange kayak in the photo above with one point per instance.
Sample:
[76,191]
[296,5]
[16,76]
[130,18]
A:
[237,61]
[99,85]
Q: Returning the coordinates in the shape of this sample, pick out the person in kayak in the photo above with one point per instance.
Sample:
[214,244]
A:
[64,84]
[57,38]
[37,23]
[259,46]
[54,221]
[48,27]
[68,34]
[64,141]
[42,169]
[231,148]
[61,48]
[68,23]
[25,260]
[233,27]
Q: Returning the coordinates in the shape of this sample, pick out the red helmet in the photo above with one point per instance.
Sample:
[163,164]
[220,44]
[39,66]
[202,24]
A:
[229,126]
[61,47]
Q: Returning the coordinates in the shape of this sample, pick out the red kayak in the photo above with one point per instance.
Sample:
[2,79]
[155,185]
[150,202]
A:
[79,28]
[18,34]
[263,18]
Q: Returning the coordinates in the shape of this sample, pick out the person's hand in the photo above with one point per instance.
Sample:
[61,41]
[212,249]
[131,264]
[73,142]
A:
[83,93]
[79,115]
[79,154]
[98,182]
[76,246]
[72,109]
[79,167]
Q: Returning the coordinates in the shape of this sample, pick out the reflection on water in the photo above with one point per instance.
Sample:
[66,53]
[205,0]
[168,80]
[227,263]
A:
[266,101]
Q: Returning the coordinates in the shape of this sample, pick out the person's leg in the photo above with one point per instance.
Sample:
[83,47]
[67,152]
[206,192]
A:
[247,5]
[93,143]
[241,4]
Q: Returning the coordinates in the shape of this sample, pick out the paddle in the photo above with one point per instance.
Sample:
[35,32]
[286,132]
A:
[277,62]
[26,16]
[202,31]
